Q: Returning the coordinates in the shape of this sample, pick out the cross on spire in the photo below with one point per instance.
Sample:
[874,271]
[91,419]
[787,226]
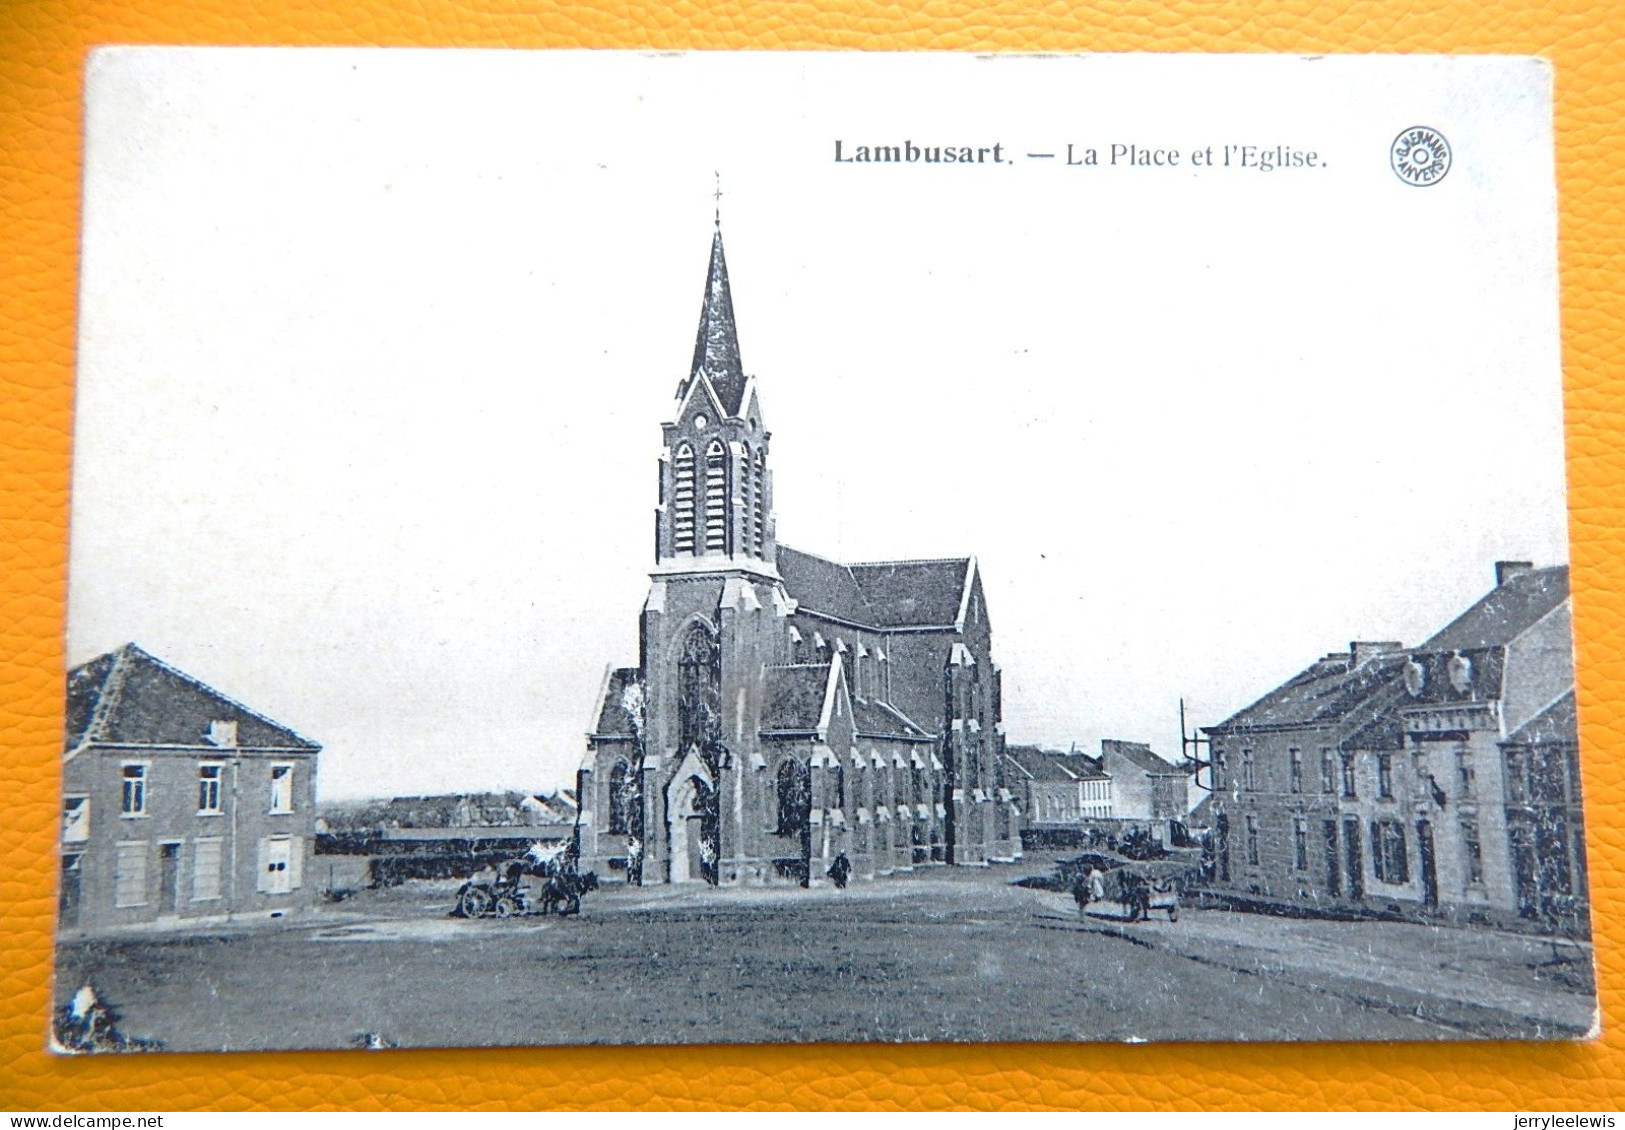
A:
[717,197]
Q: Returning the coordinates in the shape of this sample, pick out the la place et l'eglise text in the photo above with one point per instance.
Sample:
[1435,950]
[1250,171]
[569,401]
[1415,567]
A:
[909,153]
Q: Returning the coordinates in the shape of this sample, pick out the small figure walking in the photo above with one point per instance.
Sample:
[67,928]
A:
[840,869]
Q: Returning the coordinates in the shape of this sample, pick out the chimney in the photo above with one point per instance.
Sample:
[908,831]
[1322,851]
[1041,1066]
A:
[1506,570]
[1361,650]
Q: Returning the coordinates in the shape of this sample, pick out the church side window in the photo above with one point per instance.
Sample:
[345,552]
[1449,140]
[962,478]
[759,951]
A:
[621,796]
[716,498]
[683,501]
[758,506]
[795,797]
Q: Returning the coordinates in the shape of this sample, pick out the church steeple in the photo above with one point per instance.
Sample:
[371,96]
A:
[716,495]
[716,346]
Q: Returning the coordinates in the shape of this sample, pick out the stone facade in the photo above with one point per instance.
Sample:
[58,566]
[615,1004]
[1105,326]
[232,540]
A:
[786,709]
[1442,778]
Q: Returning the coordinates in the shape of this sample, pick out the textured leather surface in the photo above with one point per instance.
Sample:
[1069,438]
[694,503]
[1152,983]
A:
[42,50]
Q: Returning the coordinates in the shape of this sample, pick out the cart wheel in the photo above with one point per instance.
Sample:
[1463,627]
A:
[475,903]
[505,907]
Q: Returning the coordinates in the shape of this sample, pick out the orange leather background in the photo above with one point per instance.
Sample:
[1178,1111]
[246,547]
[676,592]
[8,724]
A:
[42,51]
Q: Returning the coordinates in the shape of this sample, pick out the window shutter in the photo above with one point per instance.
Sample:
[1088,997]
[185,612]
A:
[1404,861]
[1377,867]
[296,862]
[262,877]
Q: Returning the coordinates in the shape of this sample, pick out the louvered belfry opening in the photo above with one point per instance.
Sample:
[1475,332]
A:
[683,501]
[716,498]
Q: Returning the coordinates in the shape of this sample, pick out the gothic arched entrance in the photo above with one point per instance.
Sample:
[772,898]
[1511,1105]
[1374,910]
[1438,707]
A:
[691,823]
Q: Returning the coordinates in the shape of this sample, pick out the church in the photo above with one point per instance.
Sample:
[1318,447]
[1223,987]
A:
[786,709]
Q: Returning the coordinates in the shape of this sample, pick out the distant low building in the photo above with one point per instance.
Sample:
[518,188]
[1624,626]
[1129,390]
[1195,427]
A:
[1059,790]
[1144,786]
[178,803]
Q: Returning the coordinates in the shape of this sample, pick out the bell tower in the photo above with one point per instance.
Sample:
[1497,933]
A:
[716,614]
[716,496]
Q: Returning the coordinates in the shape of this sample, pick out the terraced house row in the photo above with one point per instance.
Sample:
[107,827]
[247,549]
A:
[1441,779]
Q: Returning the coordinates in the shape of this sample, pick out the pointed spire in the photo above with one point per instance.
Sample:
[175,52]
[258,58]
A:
[716,347]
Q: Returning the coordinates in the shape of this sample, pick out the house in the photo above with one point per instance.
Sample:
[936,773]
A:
[1442,779]
[179,804]
[785,708]
[1059,792]
[1144,786]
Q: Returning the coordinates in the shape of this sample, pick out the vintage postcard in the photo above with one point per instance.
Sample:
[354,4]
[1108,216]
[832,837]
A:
[610,548]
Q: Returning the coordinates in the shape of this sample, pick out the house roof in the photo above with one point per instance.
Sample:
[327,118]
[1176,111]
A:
[1329,691]
[1506,612]
[1140,756]
[794,696]
[128,697]
[1034,764]
[613,719]
[1558,724]
[884,594]
[716,344]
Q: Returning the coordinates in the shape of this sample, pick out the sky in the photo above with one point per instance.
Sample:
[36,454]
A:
[375,346]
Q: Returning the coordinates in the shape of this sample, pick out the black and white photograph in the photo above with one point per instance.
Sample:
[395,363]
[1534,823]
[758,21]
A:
[610,548]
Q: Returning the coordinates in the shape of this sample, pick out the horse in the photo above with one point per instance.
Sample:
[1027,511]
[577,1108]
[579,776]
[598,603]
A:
[562,892]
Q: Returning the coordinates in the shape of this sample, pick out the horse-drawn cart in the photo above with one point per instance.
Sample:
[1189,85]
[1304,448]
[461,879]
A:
[509,894]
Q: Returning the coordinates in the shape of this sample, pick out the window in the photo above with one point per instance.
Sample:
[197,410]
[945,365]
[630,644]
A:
[758,505]
[75,819]
[208,789]
[1347,761]
[683,500]
[135,791]
[1385,775]
[622,797]
[280,857]
[1388,857]
[1300,844]
[281,788]
[795,796]
[1472,851]
[206,870]
[1219,772]
[1296,756]
[1328,771]
[130,873]
[1252,840]
[1248,781]
[716,498]
[1464,772]
[1517,785]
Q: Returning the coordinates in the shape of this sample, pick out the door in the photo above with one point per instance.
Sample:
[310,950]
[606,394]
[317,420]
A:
[1334,868]
[1356,865]
[278,854]
[1430,870]
[169,878]
[696,845]
[67,906]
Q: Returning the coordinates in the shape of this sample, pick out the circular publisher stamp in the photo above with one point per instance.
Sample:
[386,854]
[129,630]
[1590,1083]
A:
[1420,156]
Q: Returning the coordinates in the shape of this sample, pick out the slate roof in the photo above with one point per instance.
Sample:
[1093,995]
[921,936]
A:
[1034,764]
[128,697]
[1139,754]
[613,718]
[1506,612]
[793,698]
[882,720]
[887,594]
[1327,691]
[1558,724]
[716,344]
